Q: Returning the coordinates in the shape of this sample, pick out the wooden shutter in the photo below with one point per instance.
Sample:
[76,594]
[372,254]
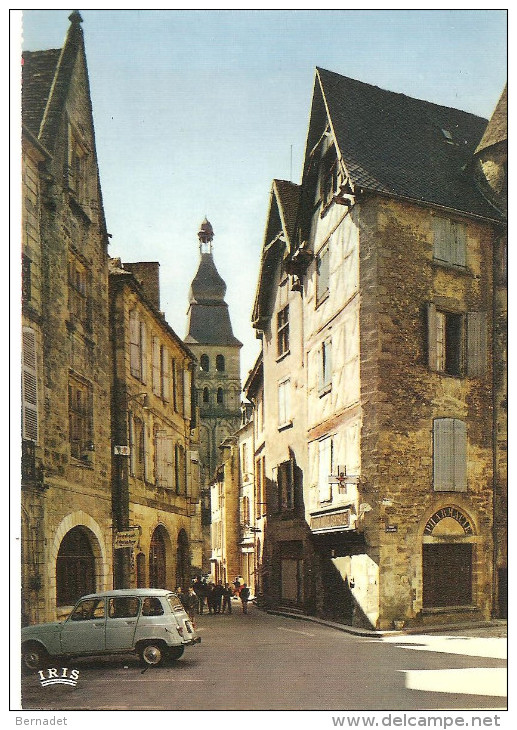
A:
[156,367]
[460,456]
[29,386]
[450,455]
[476,344]
[441,239]
[143,352]
[432,336]
[132,445]
[325,469]
[187,409]
[459,243]
[134,344]
[443,457]
[165,373]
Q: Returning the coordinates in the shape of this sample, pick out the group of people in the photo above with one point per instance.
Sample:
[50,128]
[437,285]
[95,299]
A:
[216,597]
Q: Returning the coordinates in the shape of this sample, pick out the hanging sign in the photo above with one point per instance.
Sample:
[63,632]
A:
[127,538]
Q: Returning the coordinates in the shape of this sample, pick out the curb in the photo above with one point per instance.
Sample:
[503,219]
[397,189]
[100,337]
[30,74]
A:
[400,632]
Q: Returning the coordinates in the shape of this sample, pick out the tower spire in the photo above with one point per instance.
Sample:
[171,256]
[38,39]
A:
[206,236]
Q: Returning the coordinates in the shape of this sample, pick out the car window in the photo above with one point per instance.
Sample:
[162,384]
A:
[91,608]
[175,602]
[123,607]
[152,606]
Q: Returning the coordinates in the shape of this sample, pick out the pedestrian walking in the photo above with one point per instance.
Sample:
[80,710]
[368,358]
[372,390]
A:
[210,597]
[227,598]
[200,591]
[191,605]
[245,595]
[217,597]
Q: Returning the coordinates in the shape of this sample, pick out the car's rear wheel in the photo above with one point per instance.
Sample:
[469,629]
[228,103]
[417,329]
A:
[176,652]
[152,654]
[34,656]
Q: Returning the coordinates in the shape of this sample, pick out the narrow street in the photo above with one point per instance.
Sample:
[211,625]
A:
[264,662]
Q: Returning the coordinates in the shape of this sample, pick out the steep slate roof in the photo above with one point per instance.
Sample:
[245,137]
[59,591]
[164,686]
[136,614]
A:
[208,319]
[38,70]
[497,130]
[397,145]
[283,209]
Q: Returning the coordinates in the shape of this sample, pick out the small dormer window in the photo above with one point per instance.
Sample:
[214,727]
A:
[448,136]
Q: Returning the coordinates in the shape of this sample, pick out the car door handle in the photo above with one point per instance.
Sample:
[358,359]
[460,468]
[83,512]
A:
[101,624]
[130,623]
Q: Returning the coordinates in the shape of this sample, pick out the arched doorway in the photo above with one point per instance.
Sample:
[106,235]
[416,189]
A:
[157,559]
[75,567]
[183,561]
[448,560]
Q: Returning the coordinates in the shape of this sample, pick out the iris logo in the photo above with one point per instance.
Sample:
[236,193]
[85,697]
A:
[61,676]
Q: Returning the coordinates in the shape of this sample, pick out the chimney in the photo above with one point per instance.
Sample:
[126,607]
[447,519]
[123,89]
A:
[148,275]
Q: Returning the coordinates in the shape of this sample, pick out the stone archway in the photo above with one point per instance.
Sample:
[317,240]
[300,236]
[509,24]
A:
[75,567]
[448,559]
[93,533]
[158,558]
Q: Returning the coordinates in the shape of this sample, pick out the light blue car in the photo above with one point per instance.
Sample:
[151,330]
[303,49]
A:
[149,621]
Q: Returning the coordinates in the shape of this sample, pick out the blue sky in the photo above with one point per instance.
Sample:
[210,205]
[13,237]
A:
[196,111]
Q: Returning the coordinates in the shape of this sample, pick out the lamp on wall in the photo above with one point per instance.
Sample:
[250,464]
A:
[145,402]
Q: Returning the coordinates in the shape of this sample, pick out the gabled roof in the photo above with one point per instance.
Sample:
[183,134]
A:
[280,226]
[497,129]
[397,145]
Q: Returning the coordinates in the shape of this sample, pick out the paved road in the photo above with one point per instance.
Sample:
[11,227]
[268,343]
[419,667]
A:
[264,662]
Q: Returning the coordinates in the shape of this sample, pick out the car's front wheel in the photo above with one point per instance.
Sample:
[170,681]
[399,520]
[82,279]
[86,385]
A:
[151,654]
[176,652]
[34,656]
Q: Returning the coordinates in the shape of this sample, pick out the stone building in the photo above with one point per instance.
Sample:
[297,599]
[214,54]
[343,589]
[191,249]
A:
[217,379]
[254,391]
[66,470]
[225,553]
[156,509]
[247,508]
[390,365]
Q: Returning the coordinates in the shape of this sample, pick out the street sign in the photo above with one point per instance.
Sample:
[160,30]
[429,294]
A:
[121,450]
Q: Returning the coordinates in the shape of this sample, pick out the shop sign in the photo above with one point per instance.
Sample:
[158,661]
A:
[331,521]
[451,512]
[127,538]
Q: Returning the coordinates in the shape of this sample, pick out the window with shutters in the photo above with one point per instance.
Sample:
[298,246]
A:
[449,455]
[174,369]
[325,374]
[457,343]
[449,242]
[324,469]
[156,367]
[139,447]
[245,511]
[282,319]
[322,274]
[137,346]
[80,417]
[30,421]
[163,460]
[285,484]
[164,373]
[180,469]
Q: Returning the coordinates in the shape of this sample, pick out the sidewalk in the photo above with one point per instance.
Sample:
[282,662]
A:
[496,628]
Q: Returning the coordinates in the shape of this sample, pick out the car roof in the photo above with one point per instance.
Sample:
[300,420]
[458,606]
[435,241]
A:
[139,592]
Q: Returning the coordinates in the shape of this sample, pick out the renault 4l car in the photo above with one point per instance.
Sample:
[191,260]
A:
[148,621]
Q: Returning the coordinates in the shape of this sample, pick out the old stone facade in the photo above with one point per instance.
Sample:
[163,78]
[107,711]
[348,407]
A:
[66,486]
[225,554]
[379,305]
[155,451]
